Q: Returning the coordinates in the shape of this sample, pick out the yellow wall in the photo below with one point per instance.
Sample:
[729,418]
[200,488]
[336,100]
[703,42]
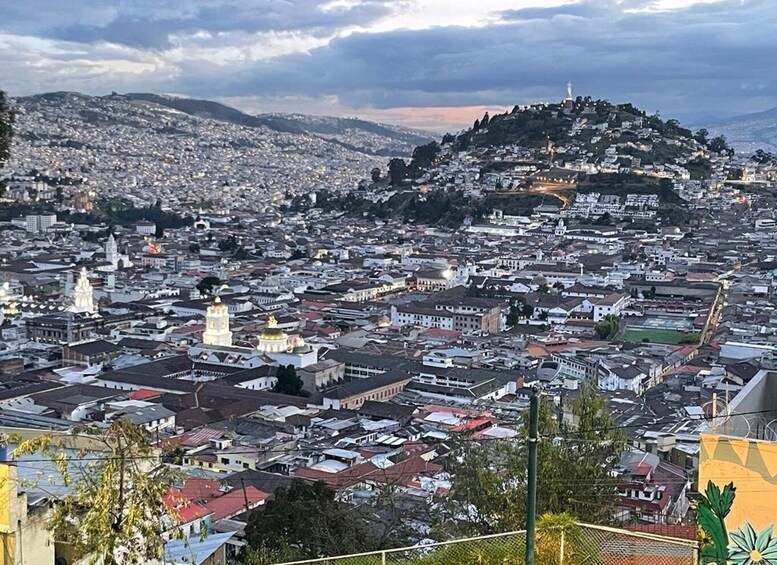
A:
[752,466]
[24,537]
[7,489]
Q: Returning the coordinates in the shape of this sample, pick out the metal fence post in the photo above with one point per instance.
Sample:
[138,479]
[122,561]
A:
[531,490]
[561,552]
[383,557]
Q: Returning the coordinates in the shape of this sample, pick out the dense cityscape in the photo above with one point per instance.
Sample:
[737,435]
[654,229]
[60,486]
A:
[226,337]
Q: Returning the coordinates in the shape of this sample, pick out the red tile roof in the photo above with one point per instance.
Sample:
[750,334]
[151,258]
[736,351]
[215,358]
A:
[144,394]
[200,497]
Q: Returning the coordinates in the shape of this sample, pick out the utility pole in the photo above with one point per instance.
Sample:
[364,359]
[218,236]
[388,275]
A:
[531,491]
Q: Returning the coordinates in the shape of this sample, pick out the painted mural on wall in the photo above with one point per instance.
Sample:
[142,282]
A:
[737,510]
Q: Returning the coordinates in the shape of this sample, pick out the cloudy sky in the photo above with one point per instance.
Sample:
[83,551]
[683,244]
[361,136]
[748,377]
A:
[433,64]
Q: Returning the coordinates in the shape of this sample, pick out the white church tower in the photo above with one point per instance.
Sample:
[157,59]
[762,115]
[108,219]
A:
[217,325]
[83,298]
[112,252]
[561,229]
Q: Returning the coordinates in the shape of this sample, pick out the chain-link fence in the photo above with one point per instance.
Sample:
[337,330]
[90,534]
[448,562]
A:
[581,544]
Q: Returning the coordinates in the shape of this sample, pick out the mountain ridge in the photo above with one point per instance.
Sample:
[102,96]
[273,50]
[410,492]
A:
[326,127]
[748,132]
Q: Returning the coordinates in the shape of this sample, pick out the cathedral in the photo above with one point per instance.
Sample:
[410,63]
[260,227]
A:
[83,295]
[274,345]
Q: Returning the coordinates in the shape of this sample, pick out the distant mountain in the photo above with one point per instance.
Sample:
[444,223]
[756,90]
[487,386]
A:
[748,132]
[356,134]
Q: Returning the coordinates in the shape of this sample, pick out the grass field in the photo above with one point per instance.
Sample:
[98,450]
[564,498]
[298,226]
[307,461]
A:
[636,335]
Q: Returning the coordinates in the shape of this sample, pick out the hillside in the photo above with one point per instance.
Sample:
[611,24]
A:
[193,152]
[543,154]
[353,133]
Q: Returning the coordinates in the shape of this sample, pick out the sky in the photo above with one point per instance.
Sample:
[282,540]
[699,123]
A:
[429,64]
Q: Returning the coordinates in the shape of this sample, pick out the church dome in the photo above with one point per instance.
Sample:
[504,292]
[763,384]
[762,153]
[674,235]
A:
[273,339]
[272,331]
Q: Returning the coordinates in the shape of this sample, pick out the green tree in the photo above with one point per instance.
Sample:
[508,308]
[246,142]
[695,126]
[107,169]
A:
[114,511]
[306,517]
[718,144]
[574,471]
[702,136]
[6,128]
[207,284]
[229,244]
[423,157]
[690,338]
[375,174]
[288,381]
[607,327]
[397,171]
[575,458]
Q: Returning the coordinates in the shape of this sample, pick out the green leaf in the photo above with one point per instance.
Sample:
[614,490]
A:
[716,530]
[727,500]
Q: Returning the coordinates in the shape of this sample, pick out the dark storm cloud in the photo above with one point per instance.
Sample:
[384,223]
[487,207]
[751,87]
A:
[151,25]
[716,57]
[704,55]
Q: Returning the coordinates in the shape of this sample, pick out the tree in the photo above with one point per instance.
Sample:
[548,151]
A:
[230,244]
[206,285]
[6,128]
[484,121]
[397,171]
[607,327]
[689,339]
[702,136]
[575,459]
[114,511]
[307,518]
[762,157]
[423,157]
[289,382]
[718,144]
[375,174]
[194,248]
